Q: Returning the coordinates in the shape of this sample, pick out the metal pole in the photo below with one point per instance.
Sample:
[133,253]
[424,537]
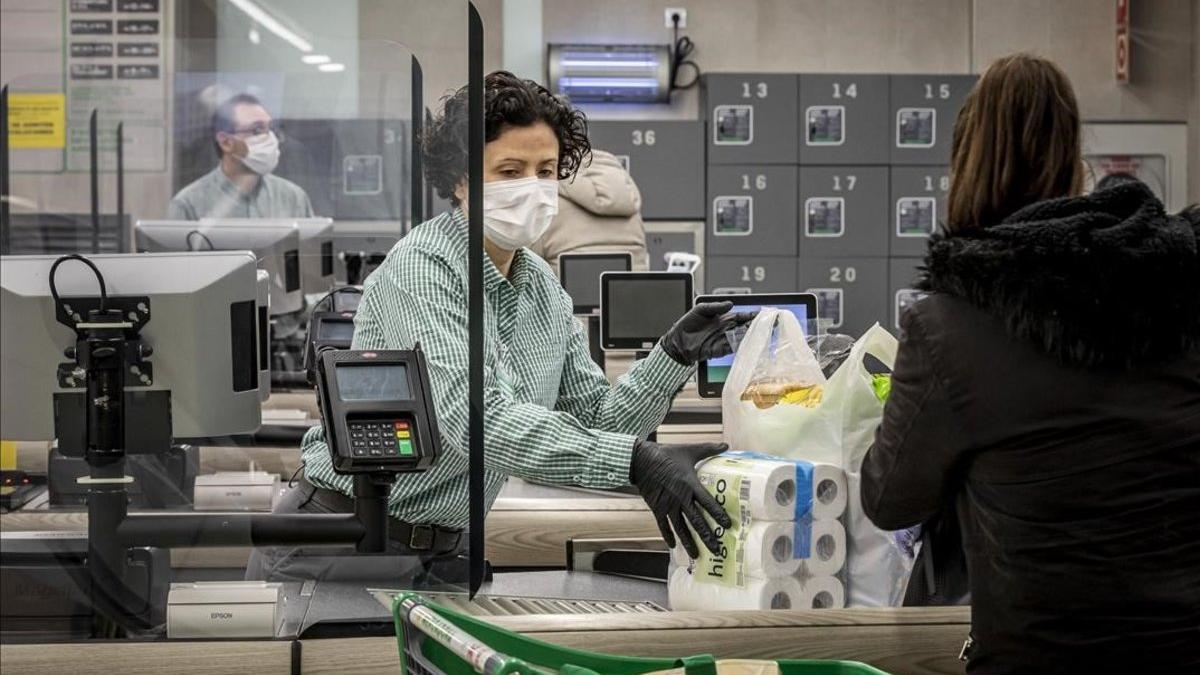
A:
[416,180]
[121,243]
[94,170]
[5,191]
[475,142]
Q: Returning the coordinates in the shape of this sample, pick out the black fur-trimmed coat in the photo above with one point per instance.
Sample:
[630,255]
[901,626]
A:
[1046,396]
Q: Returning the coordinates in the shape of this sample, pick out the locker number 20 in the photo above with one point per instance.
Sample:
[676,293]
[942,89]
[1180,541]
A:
[839,274]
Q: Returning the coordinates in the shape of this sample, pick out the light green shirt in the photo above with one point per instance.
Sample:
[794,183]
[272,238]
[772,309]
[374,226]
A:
[213,195]
[549,412]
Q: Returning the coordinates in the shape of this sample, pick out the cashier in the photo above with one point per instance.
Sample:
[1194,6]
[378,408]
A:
[550,413]
[242,185]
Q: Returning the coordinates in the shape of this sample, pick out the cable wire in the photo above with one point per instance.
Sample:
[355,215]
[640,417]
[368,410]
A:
[89,263]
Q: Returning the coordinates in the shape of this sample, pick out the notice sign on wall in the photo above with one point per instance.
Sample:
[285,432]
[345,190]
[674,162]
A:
[115,67]
[37,120]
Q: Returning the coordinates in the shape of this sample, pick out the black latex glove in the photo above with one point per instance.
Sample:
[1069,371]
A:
[665,475]
[700,334]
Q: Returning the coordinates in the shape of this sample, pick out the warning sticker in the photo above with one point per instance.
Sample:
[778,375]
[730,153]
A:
[37,120]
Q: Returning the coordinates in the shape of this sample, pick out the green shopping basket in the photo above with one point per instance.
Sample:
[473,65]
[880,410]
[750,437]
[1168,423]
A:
[435,640]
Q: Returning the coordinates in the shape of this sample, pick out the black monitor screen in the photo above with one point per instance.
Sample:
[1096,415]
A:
[336,330]
[373,383]
[644,309]
[581,278]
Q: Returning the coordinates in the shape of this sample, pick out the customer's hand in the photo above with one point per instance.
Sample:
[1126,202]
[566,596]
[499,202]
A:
[700,334]
[665,475]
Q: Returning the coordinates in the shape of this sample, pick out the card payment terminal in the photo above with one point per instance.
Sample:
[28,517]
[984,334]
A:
[377,408]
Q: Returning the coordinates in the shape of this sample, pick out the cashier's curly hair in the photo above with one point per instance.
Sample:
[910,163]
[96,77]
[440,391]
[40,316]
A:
[509,101]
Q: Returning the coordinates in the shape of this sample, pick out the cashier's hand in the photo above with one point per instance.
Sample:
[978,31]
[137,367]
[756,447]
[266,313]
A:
[665,475]
[700,334]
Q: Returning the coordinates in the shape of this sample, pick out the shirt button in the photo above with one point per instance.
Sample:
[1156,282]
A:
[612,476]
[578,479]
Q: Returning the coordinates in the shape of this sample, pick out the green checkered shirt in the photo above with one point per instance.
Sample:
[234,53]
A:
[549,412]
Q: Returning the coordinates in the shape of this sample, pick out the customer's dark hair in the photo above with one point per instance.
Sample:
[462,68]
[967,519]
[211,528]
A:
[509,101]
[222,119]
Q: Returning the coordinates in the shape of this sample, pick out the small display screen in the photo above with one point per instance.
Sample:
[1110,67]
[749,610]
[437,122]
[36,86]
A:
[718,369]
[644,309]
[823,217]
[581,278]
[373,383]
[915,127]
[733,215]
[915,216]
[825,125]
[336,330]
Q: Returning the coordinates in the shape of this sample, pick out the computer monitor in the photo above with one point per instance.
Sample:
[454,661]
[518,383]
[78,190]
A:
[637,308]
[201,326]
[263,332]
[580,276]
[276,245]
[359,246]
[316,247]
[711,374]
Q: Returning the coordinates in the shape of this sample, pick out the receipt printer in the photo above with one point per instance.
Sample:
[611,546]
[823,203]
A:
[377,407]
[223,609]
[236,491]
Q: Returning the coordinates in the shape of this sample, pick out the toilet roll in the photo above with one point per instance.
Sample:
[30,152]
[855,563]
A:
[686,594]
[767,550]
[827,551]
[822,593]
[829,492]
[761,489]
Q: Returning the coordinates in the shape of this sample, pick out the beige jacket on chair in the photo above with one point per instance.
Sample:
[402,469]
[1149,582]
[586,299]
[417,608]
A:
[598,211]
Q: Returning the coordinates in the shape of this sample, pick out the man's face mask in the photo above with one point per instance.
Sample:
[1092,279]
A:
[517,212]
[262,153]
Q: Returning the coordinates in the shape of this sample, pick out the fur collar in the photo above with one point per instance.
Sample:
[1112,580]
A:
[1107,278]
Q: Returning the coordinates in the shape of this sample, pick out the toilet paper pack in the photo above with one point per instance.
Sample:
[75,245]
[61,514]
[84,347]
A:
[686,593]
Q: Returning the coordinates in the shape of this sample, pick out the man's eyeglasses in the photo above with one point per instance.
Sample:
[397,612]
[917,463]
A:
[258,130]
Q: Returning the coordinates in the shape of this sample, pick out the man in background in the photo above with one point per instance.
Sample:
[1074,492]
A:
[242,186]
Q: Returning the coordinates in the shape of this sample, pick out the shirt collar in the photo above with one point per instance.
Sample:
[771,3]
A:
[228,187]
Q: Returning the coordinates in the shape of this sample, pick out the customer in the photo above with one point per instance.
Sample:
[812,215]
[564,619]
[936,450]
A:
[1047,394]
[599,211]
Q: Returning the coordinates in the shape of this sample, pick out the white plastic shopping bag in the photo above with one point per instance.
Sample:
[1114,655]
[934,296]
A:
[774,400]
[878,566]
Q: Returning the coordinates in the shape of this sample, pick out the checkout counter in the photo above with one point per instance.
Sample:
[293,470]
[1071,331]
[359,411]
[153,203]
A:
[536,588]
[343,628]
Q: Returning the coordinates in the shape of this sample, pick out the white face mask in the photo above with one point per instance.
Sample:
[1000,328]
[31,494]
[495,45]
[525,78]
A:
[262,153]
[517,212]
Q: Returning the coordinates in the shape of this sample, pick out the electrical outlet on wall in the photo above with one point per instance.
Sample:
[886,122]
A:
[670,12]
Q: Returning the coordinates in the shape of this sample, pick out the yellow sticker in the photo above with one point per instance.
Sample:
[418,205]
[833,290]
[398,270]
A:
[37,120]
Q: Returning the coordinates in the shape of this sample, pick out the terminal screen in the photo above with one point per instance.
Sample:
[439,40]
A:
[581,278]
[373,383]
[645,309]
[718,369]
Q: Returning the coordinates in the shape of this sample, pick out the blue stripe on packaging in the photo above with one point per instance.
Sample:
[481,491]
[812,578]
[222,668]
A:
[802,534]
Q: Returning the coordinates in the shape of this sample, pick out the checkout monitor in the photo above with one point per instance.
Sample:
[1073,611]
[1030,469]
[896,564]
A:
[276,245]
[637,308]
[360,246]
[580,276]
[201,325]
[316,247]
[711,374]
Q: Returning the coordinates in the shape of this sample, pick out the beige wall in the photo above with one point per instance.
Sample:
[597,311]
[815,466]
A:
[1079,36]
